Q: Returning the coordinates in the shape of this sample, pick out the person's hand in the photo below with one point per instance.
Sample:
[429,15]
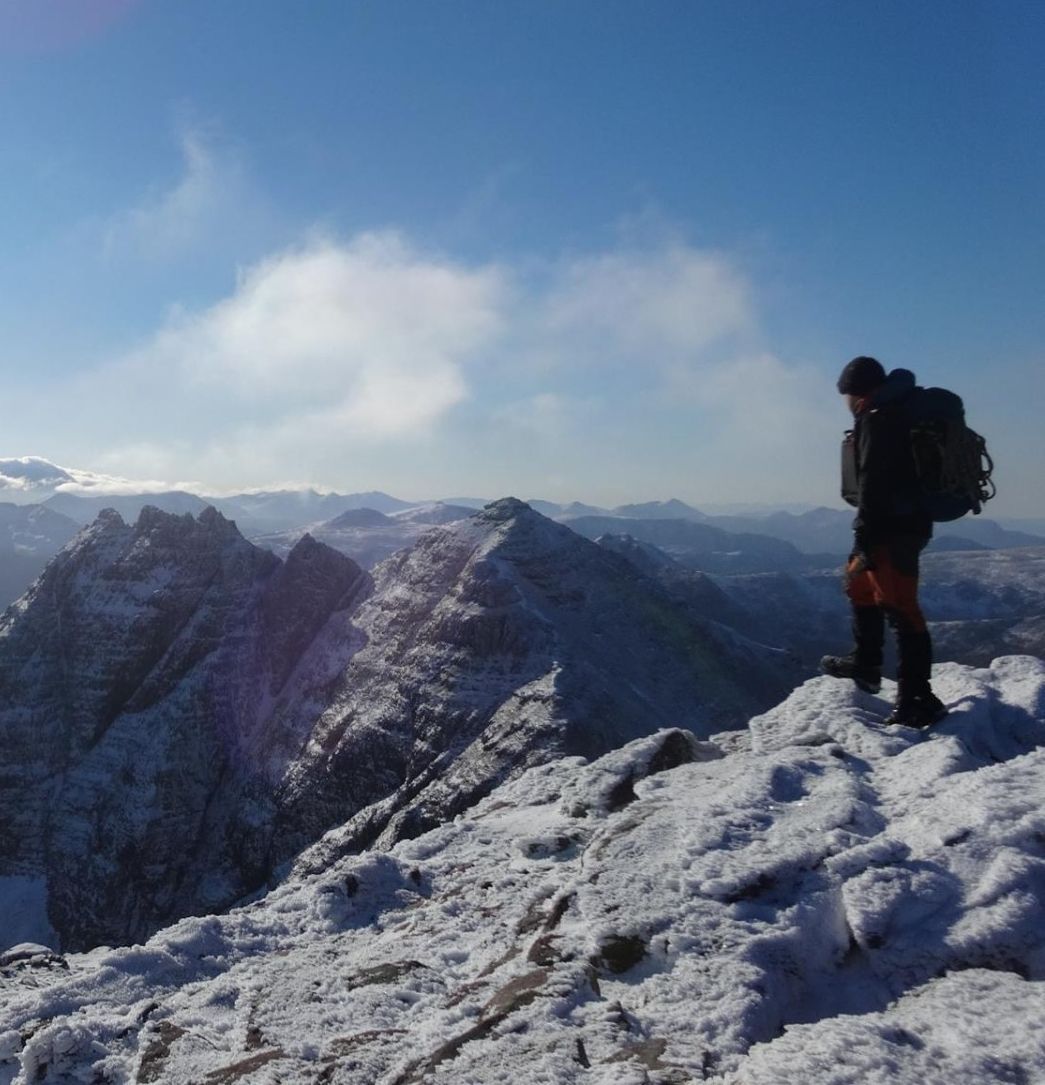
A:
[859,561]
[860,558]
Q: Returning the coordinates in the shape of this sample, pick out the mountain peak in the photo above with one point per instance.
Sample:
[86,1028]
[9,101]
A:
[518,531]
[209,524]
[364,517]
[505,509]
[308,551]
[672,509]
[109,518]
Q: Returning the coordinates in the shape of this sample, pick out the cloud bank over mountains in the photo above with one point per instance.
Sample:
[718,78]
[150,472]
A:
[34,479]
[375,359]
[345,363]
[282,354]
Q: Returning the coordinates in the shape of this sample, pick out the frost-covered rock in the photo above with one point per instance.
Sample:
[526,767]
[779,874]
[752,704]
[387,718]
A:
[820,900]
[139,681]
[491,645]
[181,713]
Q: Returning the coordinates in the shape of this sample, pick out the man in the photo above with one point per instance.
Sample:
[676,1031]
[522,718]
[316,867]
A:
[889,533]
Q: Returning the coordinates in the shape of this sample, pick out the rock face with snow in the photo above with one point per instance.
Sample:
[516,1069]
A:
[137,680]
[491,645]
[819,899]
[181,713]
[435,512]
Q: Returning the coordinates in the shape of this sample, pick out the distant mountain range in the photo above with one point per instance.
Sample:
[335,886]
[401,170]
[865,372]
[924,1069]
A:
[81,495]
[368,527]
[30,535]
[256,513]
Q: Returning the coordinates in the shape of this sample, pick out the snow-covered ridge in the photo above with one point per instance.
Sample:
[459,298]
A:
[818,899]
[182,713]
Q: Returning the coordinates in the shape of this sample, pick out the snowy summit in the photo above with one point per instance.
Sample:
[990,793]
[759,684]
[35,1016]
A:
[817,899]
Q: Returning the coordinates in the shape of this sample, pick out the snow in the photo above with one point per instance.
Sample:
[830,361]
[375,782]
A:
[820,900]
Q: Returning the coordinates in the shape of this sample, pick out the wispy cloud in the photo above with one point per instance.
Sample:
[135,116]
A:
[211,200]
[661,306]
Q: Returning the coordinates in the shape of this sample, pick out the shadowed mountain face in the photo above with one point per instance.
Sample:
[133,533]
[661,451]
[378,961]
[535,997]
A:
[30,535]
[701,545]
[139,678]
[181,712]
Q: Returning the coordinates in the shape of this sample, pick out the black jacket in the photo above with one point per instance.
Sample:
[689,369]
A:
[884,486]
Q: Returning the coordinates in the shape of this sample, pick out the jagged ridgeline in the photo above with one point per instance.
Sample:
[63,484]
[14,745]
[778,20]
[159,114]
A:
[182,713]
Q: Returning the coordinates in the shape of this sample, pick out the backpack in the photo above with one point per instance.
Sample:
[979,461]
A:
[951,461]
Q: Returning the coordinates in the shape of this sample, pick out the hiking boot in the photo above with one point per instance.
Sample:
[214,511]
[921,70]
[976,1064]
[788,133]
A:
[869,679]
[921,711]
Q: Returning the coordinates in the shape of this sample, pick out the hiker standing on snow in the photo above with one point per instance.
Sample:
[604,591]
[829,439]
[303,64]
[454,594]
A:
[889,533]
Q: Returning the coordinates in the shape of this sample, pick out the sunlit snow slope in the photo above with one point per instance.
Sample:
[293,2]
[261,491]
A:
[819,899]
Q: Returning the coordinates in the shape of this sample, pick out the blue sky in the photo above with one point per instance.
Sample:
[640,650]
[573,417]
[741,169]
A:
[596,250]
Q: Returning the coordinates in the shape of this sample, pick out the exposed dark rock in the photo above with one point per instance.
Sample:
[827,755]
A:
[620,953]
[517,993]
[621,794]
[157,1050]
[384,973]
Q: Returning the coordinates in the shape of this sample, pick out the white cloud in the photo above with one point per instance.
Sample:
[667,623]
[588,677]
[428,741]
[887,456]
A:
[357,363]
[28,472]
[33,478]
[660,307]
[369,339]
[211,197]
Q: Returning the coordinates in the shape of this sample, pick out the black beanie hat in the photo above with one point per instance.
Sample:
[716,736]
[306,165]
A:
[860,376]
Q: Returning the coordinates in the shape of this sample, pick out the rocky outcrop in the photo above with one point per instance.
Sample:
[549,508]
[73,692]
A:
[819,898]
[133,678]
[183,714]
[492,645]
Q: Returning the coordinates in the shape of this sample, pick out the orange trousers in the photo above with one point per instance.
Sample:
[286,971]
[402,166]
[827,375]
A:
[891,583]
